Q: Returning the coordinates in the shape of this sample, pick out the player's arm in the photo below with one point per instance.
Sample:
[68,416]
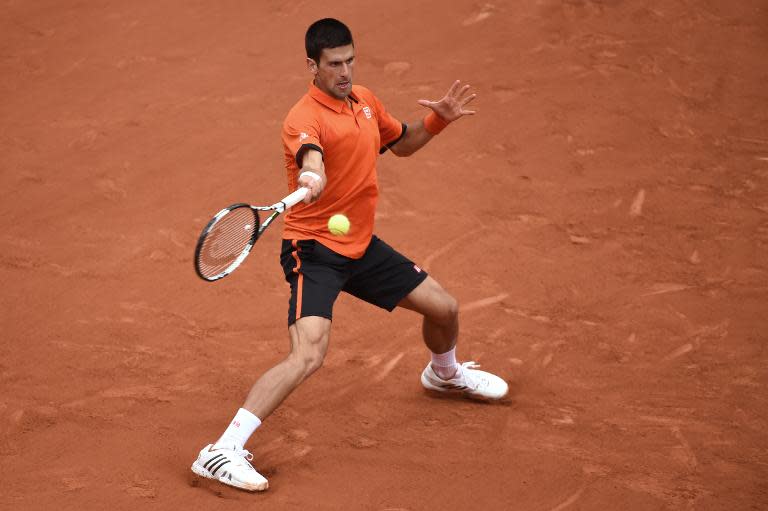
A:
[312,174]
[443,112]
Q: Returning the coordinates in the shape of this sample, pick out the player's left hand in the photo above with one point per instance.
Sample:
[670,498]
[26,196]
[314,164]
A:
[451,106]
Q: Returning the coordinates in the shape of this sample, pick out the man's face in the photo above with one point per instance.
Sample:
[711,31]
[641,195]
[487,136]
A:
[333,74]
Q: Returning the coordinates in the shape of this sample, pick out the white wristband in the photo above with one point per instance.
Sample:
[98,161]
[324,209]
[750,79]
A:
[311,174]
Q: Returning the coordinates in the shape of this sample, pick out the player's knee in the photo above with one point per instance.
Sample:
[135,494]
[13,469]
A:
[306,361]
[450,308]
[309,343]
[312,361]
[445,311]
[311,353]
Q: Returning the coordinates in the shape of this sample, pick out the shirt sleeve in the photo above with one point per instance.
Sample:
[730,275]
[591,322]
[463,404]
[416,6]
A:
[301,133]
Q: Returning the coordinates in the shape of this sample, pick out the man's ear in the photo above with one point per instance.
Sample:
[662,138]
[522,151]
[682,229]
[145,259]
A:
[312,66]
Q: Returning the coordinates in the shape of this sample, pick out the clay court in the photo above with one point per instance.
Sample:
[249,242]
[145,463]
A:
[603,221]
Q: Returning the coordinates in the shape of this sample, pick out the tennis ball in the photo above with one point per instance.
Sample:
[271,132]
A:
[338,225]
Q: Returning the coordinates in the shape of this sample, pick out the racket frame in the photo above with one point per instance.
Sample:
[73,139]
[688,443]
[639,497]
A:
[276,208]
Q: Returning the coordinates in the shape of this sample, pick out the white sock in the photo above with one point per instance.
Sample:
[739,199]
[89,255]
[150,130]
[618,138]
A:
[444,364]
[240,430]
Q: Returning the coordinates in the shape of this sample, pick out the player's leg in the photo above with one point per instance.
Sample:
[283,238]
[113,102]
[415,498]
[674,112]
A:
[227,460]
[309,338]
[440,313]
[441,328]
[440,310]
[316,276]
[388,279]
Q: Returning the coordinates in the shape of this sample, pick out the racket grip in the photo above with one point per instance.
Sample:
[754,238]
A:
[294,198]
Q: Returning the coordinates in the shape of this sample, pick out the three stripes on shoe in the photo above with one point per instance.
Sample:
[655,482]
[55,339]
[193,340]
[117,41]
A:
[214,464]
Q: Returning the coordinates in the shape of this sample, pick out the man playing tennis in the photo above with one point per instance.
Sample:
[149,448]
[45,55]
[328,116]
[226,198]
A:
[332,138]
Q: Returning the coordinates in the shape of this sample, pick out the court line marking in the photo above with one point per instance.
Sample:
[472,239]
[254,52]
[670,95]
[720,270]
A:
[570,500]
[485,302]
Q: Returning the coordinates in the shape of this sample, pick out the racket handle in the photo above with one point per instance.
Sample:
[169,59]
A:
[294,198]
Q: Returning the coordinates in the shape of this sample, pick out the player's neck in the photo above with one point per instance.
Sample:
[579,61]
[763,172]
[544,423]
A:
[347,100]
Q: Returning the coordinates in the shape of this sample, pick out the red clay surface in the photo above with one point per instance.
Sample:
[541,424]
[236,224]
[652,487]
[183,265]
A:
[603,221]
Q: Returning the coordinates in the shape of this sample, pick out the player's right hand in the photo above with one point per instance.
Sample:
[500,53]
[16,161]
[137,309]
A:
[308,178]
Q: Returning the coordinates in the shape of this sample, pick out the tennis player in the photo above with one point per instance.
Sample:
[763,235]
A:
[332,138]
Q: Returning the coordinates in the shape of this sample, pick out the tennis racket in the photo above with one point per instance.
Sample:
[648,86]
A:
[230,235]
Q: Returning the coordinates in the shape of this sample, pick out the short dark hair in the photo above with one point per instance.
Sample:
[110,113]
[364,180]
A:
[326,33]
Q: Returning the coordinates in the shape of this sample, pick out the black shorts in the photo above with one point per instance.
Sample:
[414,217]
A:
[317,274]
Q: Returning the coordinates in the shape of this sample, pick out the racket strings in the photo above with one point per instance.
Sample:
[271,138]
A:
[226,241]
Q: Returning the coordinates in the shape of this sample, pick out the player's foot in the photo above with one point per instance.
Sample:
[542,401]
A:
[468,381]
[229,466]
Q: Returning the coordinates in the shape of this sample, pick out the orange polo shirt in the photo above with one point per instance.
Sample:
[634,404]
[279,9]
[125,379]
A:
[350,139]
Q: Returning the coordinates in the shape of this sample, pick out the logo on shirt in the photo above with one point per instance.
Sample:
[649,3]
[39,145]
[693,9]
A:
[302,136]
[367,112]
[418,270]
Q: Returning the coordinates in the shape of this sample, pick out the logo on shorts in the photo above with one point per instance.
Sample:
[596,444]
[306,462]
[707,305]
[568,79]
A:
[367,112]
[418,270]
[302,136]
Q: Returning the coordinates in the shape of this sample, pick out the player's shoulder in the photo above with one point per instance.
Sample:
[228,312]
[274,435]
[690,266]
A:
[304,104]
[364,93]
[303,110]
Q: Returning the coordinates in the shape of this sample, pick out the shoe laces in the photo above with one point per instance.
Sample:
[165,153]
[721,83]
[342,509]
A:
[244,453]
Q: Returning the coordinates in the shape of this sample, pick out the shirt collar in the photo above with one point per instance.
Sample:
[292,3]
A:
[337,105]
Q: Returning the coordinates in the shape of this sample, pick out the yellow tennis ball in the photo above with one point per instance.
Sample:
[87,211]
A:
[338,225]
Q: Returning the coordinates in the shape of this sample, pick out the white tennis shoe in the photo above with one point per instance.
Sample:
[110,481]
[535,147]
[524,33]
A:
[229,466]
[468,381]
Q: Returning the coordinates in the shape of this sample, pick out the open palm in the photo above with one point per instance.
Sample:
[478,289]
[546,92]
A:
[451,106]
